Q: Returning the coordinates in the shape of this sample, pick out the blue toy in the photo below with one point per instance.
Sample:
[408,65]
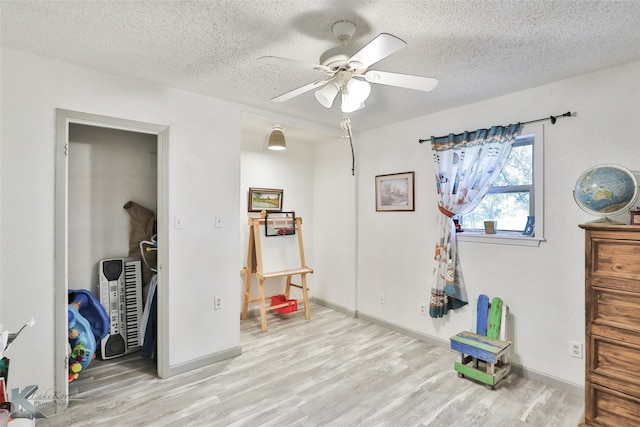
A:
[91,309]
[88,324]
[82,341]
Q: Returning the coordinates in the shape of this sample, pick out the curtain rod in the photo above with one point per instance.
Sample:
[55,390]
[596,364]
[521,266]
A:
[551,118]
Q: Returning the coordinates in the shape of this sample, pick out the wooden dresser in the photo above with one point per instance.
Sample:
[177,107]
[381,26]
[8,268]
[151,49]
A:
[612,342]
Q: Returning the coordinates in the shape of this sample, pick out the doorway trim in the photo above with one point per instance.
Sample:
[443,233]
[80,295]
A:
[61,247]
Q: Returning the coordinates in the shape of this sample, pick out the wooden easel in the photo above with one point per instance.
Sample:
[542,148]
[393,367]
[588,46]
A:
[280,267]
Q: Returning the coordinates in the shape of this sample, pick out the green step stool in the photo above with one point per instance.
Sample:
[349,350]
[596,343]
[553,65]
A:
[483,354]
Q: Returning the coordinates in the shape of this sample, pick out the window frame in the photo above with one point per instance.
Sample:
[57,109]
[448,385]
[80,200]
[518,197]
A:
[536,131]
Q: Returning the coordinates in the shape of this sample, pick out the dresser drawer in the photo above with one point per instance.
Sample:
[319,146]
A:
[615,355]
[615,258]
[612,308]
[617,308]
[608,407]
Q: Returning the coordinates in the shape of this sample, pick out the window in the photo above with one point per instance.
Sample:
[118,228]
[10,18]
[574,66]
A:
[516,195]
[511,199]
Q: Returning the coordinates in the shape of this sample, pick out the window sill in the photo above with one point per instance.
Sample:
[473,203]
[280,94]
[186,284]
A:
[501,238]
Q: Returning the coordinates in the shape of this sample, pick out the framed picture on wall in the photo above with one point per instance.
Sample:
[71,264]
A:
[265,199]
[394,192]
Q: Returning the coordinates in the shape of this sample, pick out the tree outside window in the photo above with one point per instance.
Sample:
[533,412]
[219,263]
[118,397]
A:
[511,198]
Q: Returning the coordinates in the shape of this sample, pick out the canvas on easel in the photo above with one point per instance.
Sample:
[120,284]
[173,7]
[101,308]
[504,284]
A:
[274,253]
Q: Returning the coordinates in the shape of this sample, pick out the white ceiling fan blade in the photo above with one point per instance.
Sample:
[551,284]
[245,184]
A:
[378,48]
[299,91]
[401,80]
[276,60]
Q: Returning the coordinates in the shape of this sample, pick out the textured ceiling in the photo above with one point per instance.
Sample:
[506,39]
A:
[477,49]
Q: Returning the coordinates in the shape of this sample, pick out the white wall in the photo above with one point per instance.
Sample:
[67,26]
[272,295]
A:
[290,170]
[543,286]
[335,224]
[107,168]
[203,179]
[315,174]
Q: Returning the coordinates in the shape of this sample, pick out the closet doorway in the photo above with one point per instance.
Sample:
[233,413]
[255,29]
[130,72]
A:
[91,222]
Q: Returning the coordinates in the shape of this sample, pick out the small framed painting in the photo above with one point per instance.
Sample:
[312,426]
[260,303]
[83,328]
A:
[394,192]
[265,199]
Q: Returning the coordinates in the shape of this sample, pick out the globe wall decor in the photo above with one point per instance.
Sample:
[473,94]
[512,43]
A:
[606,190]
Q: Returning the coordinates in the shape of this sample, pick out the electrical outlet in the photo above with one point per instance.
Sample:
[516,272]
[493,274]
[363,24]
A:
[381,299]
[575,349]
[422,309]
[217,303]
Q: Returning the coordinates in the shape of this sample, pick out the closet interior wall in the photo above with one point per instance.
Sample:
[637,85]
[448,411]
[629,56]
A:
[107,168]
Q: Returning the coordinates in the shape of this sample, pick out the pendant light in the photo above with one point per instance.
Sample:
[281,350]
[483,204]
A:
[276,139]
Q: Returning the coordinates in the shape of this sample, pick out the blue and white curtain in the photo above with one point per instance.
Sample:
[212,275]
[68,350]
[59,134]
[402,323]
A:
[466,166]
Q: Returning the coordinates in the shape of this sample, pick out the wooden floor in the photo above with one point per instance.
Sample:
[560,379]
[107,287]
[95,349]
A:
[333,370]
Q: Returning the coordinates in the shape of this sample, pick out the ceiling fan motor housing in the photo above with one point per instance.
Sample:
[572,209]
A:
[337,57]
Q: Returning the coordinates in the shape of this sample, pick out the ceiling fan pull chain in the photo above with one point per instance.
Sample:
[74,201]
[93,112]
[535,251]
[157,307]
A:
[345,124]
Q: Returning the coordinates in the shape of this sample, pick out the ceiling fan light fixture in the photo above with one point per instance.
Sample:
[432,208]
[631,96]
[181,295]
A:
[327,95]
[354,93]
[276,139]
[358,90]
[349,105]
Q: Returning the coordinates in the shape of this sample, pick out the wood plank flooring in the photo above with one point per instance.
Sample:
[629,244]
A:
[333,370]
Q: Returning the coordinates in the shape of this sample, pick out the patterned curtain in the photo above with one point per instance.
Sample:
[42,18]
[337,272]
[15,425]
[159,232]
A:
[466,166]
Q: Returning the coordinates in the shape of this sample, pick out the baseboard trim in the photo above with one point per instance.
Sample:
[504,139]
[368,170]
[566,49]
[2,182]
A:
[562,385]
[334,307]
[519,370]
[204,361]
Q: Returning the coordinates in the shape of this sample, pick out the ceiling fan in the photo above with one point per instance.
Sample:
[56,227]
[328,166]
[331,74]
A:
[347,70]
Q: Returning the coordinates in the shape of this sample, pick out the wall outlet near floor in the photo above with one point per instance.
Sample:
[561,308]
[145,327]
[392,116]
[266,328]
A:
[575,349]
[217,304]
[422,309]
[381,299]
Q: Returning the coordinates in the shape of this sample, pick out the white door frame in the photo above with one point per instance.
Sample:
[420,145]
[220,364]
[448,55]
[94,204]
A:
[61,249]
